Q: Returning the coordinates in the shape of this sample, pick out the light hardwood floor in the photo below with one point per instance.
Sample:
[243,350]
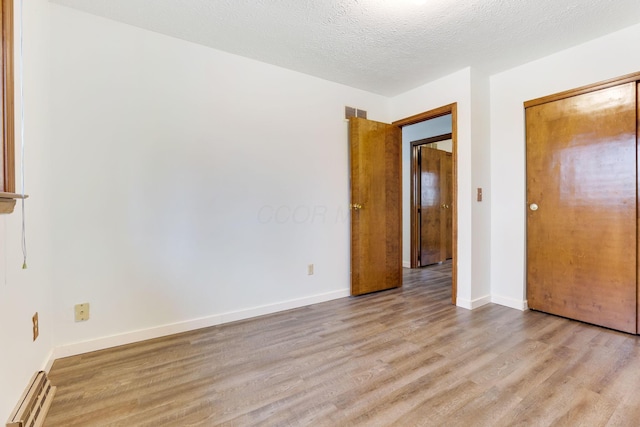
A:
[402,357]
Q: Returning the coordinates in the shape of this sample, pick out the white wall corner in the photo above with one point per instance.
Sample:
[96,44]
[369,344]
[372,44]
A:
[473,304]
[49,361]
[510,302]
[406,264]
[189,325]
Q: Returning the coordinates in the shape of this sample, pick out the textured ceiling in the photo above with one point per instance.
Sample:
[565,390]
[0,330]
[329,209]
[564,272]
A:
[382,46]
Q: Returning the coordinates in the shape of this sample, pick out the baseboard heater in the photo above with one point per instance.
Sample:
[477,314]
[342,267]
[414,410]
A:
[32,408]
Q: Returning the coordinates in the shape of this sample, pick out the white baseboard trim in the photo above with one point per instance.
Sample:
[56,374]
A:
[49,361]
[189,325]
[473,304]
[510,302]
[406,264]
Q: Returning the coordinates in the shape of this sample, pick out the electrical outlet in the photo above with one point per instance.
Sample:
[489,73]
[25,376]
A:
[82,312]
[36,326]
[310,269]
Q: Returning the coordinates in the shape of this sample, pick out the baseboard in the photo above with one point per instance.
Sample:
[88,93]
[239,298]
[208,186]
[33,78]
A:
[406,264]
[510,302]
[473,304]
[189,325]
[49,361]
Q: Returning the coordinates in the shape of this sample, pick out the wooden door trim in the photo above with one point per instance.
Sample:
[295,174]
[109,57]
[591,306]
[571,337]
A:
[431,140]
[432,114]
[629,78]
[415,193]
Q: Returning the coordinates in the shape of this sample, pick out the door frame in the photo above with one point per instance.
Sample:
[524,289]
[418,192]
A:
[416,237]
[421,117]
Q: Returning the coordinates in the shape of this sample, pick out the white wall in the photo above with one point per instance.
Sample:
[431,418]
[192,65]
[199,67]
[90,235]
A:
[191,186]
[446,145]
[433,127]
[600,59]
[481,178]
[24,292]
[172,184]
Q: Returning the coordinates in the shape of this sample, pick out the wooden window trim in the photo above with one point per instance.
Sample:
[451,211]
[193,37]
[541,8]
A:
[7,160]
[8,105]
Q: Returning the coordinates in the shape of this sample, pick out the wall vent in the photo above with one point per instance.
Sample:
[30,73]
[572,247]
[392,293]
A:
[354,112]
[32,408]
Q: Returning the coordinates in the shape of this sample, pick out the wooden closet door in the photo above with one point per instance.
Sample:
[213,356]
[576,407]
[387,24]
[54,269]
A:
[581,213]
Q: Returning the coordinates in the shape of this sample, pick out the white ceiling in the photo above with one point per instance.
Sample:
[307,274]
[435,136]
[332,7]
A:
[382,46]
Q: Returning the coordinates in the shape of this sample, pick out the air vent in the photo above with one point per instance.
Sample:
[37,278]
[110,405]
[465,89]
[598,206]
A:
[34,403]
[354,112]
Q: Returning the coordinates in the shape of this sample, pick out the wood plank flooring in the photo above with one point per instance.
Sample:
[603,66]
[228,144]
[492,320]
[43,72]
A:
[404,357]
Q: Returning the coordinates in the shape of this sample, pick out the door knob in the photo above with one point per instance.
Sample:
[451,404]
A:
[355,206]
[533,207]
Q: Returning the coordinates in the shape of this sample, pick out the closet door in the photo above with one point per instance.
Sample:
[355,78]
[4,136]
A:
[581,207]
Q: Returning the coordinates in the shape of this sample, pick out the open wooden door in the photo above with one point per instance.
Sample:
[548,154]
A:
[431,206]
[447,190]
[376,206]
[435,205]
[581,213]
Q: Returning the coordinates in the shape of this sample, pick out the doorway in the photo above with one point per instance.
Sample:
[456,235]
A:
[376,202]
[431,199]
[412,217]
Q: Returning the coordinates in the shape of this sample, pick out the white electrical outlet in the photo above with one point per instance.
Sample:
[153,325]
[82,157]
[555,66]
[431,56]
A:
[310,269]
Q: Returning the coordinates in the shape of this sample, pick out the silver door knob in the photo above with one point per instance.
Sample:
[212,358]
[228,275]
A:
[533,207]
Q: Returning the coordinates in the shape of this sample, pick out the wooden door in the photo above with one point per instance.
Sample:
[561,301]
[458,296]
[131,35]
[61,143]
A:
[435,205]
[581,213]
[447,192]
[376,206]
[431,206]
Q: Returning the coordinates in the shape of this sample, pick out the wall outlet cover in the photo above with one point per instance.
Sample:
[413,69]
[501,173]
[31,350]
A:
[82,312]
